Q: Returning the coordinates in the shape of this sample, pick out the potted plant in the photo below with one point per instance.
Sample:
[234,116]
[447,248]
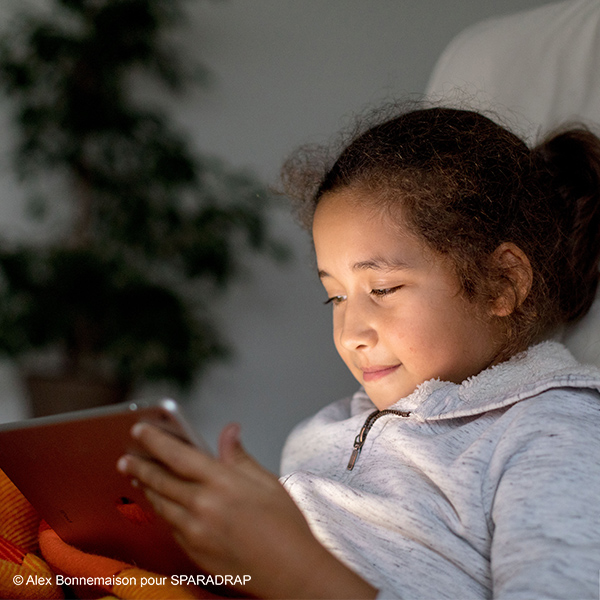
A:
[122,293]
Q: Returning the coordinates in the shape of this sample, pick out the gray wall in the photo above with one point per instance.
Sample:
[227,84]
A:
[286,72]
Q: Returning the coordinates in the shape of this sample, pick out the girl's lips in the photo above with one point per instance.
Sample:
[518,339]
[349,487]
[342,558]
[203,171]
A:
[375,373]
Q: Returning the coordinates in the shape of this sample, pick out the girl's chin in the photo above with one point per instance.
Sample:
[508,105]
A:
[384,396]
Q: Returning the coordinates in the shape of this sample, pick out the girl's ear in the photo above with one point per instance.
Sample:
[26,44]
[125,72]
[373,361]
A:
[513,263]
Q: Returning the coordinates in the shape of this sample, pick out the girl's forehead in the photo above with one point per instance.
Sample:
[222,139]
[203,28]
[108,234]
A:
[348,207]
[350,228]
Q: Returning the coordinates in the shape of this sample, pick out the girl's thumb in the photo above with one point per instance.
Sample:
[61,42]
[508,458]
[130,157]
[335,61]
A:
[230,447]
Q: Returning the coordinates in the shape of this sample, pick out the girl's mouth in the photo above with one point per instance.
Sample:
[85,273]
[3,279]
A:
[375,373]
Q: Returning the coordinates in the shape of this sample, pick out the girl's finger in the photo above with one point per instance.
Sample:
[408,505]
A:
[180,457]
[171,511]
[233,454]
[229,443]
[154,477]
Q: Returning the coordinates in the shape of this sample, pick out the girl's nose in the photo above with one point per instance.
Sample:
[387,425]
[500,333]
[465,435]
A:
[356,327]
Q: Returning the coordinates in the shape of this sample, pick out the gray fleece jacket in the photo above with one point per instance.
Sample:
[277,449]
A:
[488,489]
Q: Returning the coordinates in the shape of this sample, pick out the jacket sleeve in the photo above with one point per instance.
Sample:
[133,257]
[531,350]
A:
[545,517]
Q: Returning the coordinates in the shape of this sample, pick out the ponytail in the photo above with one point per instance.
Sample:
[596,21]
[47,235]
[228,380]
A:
[569,163]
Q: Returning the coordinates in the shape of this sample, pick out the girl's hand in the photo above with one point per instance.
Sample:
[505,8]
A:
[233,517]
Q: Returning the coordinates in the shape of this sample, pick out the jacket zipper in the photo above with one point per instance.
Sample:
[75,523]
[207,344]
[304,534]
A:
[359,440]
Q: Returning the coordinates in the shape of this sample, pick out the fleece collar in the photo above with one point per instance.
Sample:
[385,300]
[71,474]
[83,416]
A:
[546,366]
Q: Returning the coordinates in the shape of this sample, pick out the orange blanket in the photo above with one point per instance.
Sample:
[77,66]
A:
[36,563]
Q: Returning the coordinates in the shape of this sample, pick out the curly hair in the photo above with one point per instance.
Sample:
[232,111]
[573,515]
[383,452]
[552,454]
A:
[465,186]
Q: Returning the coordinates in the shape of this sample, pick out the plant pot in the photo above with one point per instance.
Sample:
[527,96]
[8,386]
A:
[49,395]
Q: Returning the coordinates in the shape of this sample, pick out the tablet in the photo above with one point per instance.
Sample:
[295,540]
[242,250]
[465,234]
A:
[65,465]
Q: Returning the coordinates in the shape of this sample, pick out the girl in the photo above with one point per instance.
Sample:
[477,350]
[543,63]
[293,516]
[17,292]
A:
[468,463]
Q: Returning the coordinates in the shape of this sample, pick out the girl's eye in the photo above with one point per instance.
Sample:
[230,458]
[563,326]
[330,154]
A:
[381,292]
[335,300]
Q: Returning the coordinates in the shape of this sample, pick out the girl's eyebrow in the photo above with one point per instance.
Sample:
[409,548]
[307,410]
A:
[376,264]
[381,264]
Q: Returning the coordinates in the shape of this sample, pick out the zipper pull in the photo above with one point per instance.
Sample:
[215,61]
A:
[359,441]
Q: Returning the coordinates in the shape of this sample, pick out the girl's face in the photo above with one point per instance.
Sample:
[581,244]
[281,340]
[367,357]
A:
[399,316]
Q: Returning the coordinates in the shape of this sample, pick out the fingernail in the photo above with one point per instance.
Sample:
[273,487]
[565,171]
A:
[137,429]
[122,464]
